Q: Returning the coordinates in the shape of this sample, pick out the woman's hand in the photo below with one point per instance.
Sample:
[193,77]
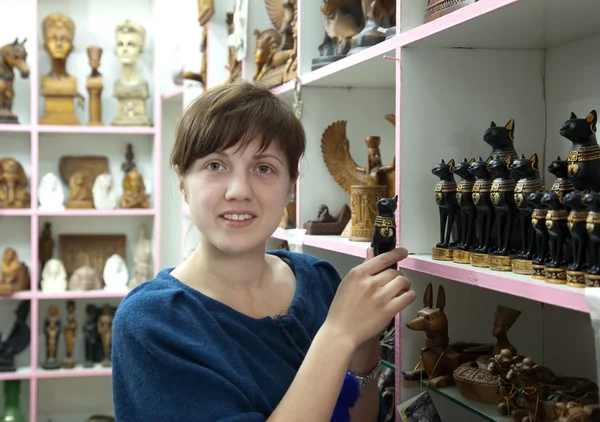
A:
[369,297]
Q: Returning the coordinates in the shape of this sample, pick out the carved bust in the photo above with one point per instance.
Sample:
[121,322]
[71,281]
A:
[54,277]
[105,197]
[58,32]
[50,193]
[15,274]
[94,55]
[14,192]
[134,191]
[80,195]
[130,37]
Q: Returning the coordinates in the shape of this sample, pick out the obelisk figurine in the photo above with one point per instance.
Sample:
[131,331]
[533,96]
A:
[94,86]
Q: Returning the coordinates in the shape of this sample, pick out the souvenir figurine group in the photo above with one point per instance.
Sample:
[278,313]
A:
[499,216]
[59,87]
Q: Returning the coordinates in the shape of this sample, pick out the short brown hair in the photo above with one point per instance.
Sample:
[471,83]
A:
[237,114]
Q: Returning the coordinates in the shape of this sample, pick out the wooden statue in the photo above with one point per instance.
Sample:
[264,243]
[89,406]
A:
[574,412]
[288,219]
[46,244]
[503,200]
[445,198]
[70,335]
[584,156]
[384,227]
[366,182]
[538,222]
[134,191]
[13,55]
[17,340]
[328,224]
[130,89]
[377,14]
[558,232]
[15,274]
[438,8]
[94,86]
[234,66]
[527,173]
[206,9]
[14,185]
[342,20]
[52,329]
[467,211]
[128,164]
[562,184]
[105,330]
[200,77]
[503,321]
[439,357]
[482,199]
[80,194]
[592,201]
[576,223]
[58,87]
[501,139]
[276,47]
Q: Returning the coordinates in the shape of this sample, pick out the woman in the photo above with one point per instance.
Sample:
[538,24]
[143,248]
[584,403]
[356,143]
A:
[234,333]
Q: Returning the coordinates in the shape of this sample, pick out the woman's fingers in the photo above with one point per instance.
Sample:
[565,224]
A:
[395,287]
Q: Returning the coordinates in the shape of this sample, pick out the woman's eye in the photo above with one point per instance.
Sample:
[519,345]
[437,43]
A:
[264,169]
[214,166]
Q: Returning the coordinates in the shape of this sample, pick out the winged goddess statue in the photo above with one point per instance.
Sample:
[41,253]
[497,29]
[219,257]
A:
[335,148]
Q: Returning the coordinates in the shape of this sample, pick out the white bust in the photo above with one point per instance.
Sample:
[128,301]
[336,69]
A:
[130,37]
[50,193]
[103,191]
[116,274]
[54,277]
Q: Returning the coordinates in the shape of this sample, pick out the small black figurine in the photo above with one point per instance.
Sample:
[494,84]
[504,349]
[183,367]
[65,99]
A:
[485,211]
[18,339]
[584,156]
[503,200]
[501,139]
[384,234]
[445,197]
[93,347]
[538,222]
[592,201]
[527,173]
[468,212]
[556,223]
[562,184]
[576,222]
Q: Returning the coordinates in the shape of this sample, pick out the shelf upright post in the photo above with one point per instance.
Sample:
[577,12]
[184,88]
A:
[157,144]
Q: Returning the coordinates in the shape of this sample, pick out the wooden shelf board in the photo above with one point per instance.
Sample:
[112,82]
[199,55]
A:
[505,282]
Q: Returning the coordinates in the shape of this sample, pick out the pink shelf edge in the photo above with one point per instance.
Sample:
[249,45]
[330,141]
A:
[97,213]
[521,286]
[337,244]
[90,294]
[71,373]
[15,128]
[101,130]
[283,88]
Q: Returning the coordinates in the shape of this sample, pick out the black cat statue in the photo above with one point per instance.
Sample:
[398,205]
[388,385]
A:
[501,139]
[503,200]
[384,233]
[576,222]
[584,156]
[562,185]
[592,201]
[445,197]
[538,222]
[468,212]
[485,211]
[527,173]
[558,232]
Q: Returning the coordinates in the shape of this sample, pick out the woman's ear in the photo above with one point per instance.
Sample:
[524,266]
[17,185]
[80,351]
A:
[182,188]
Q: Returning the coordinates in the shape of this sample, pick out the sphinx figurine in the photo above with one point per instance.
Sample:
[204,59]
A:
[104,193]
[94,86]
[15,274]
[85,278]
[378,15]
[276,47]
[50,193]
[58,87]
[54,277]
[342,20]
[80,195]
[115,274]
[14,185]
[12,56]
[131,89]
[134,191]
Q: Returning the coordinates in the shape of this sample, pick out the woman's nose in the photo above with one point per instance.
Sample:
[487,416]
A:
[239,188]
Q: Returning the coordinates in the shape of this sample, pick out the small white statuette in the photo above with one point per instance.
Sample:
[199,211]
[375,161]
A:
[54,277]
[141,259]
[103,191]
[116,274]
[51,194]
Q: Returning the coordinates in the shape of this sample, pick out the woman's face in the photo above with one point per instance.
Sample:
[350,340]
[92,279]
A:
[236,198]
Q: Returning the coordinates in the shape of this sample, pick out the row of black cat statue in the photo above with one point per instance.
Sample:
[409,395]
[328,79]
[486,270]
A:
[500,216]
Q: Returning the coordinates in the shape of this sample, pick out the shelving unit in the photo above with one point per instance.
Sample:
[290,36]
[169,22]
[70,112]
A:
[528,60]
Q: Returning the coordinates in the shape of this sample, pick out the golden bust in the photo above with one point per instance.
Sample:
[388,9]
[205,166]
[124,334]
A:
[80,194]
[134,191]
[58,31]
[14,192]
[15,274]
